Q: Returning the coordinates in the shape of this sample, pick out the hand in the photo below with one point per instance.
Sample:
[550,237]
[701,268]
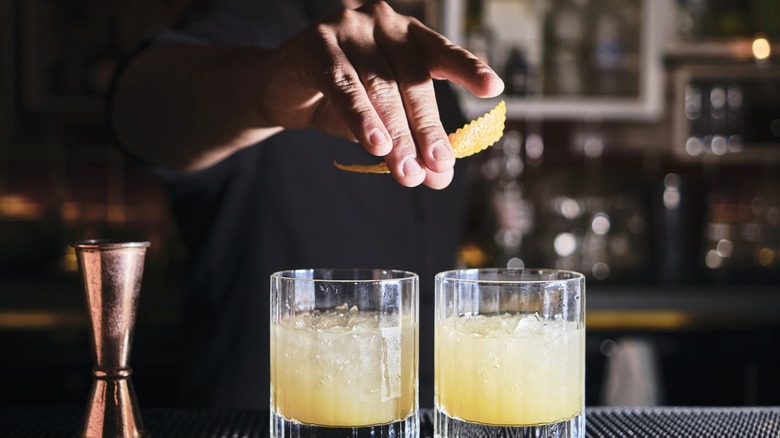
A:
[366,75]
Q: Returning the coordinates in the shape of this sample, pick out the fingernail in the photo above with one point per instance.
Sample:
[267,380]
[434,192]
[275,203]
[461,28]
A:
[411,167]
[441,152]
[498,84]
[489,74]
[377,137]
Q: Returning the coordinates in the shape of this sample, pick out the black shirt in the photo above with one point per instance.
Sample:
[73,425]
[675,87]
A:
[281,204]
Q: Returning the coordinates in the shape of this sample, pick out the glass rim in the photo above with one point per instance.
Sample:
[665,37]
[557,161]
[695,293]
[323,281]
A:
[299,275]
[568,275]
[110,244]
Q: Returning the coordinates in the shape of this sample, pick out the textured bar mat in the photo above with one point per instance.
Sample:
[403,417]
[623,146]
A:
[159,423]
[759,422]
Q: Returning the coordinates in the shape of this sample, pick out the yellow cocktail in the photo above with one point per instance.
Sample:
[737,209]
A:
[509,353]
[340,368]
[344,353]
[518,370]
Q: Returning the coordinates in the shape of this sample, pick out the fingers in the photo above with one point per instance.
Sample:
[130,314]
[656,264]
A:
[385,89]
[455,64]
[439,181]
[422,124]
[370,92]
[375,69]
[341,84]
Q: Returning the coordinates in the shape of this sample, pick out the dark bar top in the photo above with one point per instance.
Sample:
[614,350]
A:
[602,422]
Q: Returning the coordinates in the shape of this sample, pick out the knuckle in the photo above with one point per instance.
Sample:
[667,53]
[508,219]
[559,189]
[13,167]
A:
[350,22]
[341,78]
[425,123]
[380,7]
[343,15]
[398,127]
[323,31]
[380,87]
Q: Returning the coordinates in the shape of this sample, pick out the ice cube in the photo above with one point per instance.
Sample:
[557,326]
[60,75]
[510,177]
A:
[391,362]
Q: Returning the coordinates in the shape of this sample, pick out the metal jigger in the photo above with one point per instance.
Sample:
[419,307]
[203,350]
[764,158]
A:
[112,272]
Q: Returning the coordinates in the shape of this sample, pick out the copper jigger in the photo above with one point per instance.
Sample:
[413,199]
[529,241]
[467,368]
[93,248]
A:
[112,272]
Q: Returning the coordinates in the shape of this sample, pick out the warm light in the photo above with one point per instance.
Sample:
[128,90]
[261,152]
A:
[638,319]
[761,48]
[19,207]
[472,255]
[69,261]
[766,257]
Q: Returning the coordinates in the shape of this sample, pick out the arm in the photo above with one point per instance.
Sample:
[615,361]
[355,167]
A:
[187,106]
[362,74]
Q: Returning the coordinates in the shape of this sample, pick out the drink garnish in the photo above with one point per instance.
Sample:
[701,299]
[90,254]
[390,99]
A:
[472,138]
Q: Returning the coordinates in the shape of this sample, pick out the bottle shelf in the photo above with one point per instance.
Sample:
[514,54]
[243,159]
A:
[504,26]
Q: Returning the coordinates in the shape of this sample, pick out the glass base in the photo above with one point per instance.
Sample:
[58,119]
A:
[284,428]
[449,427]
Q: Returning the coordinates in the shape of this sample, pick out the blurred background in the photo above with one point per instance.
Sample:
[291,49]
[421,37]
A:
[642,149]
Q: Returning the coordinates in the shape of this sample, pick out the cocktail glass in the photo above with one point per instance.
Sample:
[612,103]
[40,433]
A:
[509,353]
[344,353]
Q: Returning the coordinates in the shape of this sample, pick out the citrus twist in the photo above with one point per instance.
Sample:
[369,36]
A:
[472,138]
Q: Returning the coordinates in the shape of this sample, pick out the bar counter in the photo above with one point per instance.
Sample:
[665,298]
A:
[602,422]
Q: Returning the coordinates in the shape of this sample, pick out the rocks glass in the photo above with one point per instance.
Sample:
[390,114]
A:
[509,353]
[344,353]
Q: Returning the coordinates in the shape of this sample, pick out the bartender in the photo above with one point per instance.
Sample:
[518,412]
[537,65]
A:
[241,109]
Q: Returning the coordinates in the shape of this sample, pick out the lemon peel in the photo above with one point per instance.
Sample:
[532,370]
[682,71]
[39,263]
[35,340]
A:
[472,138]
